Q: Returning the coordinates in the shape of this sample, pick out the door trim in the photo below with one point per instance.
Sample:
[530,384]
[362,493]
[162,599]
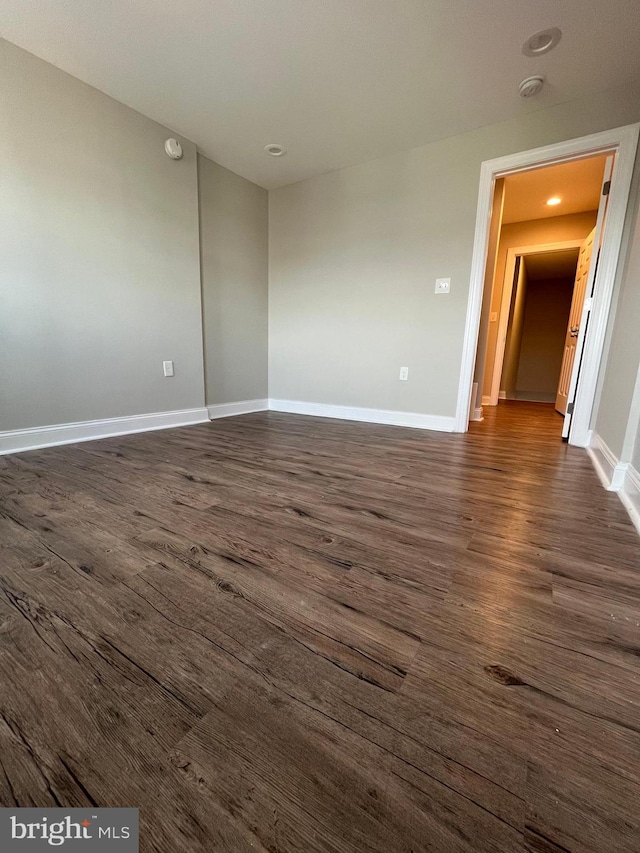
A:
[586,314]
[623,141]
[507,289]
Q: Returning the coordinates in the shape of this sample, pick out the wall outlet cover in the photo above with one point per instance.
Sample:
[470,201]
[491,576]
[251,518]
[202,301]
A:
[443,285]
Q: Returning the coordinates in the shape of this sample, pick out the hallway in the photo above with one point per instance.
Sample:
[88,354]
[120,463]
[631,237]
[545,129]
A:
[276,632]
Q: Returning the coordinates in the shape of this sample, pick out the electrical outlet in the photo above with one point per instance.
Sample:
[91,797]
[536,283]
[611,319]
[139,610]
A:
[404,373]
[443,285]
[167,367]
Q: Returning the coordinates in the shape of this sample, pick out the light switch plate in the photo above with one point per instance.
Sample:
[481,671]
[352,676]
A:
[167,367]
[443,285]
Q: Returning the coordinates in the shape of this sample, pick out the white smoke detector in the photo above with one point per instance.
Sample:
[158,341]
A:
[531,86]
[173,149]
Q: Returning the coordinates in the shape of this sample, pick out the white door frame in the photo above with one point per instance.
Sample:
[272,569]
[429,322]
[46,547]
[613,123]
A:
[624,142]
[505,302]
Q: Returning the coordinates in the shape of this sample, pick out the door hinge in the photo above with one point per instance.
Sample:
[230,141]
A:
[569,408]
[606,187]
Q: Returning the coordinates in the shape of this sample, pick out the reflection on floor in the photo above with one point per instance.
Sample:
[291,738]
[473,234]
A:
[520,416]
[283,633]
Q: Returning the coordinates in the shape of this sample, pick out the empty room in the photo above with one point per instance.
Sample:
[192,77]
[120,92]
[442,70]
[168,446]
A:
[320,426]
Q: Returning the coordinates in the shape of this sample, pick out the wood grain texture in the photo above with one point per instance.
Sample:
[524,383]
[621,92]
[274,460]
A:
[281,633]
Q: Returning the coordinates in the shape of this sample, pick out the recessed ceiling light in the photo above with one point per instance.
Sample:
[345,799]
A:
[274,149]
[553,201]
[542,42]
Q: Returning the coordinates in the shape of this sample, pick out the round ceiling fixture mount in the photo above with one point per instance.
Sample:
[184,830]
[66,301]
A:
[531,86]
[542,42]
[274,149]
[173,149]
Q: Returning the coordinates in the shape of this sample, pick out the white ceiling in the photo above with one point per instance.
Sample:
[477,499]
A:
[545,265]
[577,184]
[337,82]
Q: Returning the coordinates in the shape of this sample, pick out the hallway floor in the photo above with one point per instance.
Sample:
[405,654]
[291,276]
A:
[280,633]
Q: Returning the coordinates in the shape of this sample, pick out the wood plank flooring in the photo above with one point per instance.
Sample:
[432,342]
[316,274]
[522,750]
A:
[278,633]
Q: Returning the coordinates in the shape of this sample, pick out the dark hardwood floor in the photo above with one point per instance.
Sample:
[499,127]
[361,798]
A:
[280,633]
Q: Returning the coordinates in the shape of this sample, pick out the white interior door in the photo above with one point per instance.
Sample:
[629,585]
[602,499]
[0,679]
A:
[585,307]
[573,326]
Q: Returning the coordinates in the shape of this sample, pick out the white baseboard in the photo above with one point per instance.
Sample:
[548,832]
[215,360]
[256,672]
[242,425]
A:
[477,414]
[630,495]
[440,423]
[242,407]
[486,400]
[620,477]
[19,440]
[608,468]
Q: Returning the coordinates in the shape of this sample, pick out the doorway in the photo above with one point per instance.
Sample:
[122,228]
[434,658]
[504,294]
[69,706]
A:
[535,363]
[620,144]
[544,262]
[535,300]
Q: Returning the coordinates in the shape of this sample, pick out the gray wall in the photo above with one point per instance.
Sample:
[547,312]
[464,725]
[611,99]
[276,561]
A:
[515,330]
[234,252]
[354,255]
[619,380]
[99,258]
[635,454]
[633,429]
[546,314]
